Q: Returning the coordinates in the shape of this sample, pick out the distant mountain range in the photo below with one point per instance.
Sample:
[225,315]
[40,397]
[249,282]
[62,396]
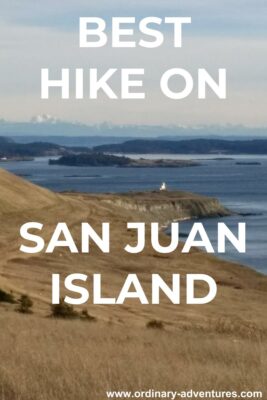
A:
[45,126]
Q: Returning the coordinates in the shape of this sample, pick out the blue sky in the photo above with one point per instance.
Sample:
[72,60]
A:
[230,34]
[237,17]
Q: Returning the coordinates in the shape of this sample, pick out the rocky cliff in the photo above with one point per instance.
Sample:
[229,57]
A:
[166,206]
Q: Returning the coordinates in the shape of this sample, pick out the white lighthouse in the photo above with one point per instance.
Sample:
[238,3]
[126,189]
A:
[163,187]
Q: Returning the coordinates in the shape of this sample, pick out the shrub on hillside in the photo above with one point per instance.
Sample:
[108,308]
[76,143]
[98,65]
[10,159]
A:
[25,304]
[155,324]
[63,310]
[85,316]
[6,297]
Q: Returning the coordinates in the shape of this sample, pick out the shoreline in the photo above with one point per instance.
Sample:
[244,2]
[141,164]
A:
[226,256]
[132,202]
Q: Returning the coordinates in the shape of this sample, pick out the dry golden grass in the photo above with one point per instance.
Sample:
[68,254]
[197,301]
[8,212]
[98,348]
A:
[46,359]
[221,345]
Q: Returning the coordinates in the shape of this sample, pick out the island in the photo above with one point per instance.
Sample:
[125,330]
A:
[12,151]
[16,158]
[248,163]
[98,159]
[190,146]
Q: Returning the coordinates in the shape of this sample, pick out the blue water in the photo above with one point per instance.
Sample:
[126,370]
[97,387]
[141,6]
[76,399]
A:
[242,188]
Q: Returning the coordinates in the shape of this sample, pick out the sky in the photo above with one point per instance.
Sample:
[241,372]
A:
[223,34]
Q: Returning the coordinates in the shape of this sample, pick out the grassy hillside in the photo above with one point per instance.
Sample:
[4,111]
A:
[221,345]
[65,360]
[17,195]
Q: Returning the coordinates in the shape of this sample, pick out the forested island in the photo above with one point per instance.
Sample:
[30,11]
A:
[97,159]
[10,150]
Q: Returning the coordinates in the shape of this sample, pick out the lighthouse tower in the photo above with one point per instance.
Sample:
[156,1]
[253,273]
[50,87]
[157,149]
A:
[163,187]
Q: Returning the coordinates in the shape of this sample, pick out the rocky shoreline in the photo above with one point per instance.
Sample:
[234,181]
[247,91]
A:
[162,206]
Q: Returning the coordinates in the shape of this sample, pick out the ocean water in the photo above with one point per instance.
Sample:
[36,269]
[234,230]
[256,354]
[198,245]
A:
[241,188]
